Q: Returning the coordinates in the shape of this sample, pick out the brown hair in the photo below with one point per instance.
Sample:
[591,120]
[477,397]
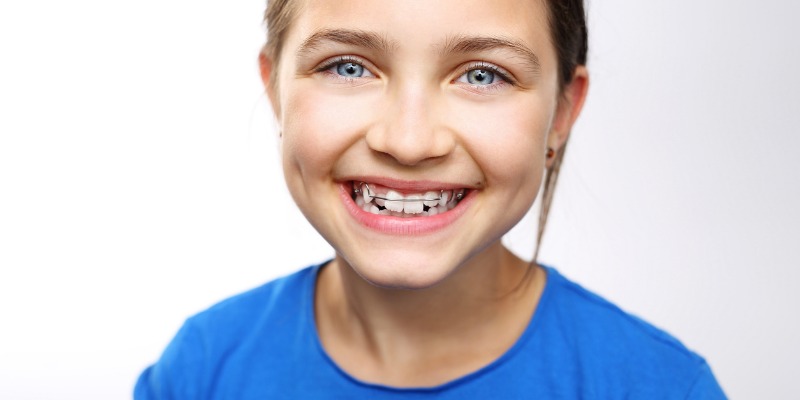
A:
[567,20]
[278,17]
[570,38]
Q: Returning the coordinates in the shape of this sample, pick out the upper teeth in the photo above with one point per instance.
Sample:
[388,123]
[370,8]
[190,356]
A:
[395,203]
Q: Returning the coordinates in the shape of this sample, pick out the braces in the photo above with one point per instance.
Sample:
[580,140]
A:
[357,190]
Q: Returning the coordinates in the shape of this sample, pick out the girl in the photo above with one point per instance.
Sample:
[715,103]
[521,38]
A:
[414,135]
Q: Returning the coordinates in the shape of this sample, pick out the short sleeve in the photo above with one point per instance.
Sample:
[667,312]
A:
[178,374]
[705,386]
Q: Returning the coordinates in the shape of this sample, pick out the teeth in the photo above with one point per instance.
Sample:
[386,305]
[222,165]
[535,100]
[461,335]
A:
[444,198]
[408,206]
[393,202]
[413,207]
[367,194]
[430,199]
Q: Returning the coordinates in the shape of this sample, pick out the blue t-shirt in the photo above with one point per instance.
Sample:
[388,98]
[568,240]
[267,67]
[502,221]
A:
[263,344]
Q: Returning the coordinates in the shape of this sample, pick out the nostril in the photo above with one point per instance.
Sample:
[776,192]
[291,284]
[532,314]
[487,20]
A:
[410,140]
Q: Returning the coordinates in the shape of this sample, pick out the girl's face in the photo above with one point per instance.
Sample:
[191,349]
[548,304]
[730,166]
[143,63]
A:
[416,99]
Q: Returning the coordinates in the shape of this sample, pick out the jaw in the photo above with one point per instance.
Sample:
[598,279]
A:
[424,266]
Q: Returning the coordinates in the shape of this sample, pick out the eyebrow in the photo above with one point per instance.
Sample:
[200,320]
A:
[453,45]
[473,44]
[364,39]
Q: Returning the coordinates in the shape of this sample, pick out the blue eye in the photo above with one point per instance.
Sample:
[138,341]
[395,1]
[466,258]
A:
[481,77]
[347,68]
[350,70]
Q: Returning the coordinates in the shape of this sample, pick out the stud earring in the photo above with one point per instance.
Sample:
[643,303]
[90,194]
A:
[550,152]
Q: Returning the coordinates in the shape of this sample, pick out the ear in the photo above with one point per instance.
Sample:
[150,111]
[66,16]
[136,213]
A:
[266,66]
[569,106]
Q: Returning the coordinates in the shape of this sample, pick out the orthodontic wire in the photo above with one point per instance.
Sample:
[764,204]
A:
[358,191]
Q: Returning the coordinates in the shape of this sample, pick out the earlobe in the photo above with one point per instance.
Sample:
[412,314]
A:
[569,107]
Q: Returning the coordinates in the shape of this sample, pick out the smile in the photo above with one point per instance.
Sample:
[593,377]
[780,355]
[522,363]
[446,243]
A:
[380,200]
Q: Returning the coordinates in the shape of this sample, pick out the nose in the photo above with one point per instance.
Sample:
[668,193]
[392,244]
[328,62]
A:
[410,130]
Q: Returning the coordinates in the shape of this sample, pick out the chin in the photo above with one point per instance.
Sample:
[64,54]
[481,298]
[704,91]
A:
[405,272]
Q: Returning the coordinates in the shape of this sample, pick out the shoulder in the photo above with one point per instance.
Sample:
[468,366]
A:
[594,319]
[271,300]
[615,349]
[256,322]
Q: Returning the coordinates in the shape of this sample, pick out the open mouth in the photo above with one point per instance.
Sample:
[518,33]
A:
[380,200]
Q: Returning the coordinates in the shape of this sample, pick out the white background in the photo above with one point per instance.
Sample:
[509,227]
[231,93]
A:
[140,183]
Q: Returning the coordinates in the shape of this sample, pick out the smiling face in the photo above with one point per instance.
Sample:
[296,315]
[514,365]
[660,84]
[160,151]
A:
[415,132]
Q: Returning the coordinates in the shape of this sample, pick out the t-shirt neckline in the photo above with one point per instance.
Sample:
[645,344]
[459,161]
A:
[533,323]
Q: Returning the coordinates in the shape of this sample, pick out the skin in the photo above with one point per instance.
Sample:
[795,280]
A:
[421,310]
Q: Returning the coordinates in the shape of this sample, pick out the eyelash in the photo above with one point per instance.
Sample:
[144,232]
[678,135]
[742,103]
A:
[504,75]
[330,63]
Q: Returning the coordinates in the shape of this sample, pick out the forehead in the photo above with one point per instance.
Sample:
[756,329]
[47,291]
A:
[428,24]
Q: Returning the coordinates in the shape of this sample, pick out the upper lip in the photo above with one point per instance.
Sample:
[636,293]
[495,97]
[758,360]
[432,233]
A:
[407,185]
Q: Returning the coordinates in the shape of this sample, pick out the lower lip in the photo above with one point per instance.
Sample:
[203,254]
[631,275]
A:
[412,226]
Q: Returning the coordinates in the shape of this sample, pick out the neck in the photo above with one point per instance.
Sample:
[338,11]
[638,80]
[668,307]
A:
[488,300]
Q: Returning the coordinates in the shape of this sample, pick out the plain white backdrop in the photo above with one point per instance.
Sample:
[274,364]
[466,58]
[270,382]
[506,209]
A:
[140,183]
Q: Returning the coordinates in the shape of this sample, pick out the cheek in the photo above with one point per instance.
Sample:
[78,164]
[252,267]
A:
[508,138]
[318,127]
